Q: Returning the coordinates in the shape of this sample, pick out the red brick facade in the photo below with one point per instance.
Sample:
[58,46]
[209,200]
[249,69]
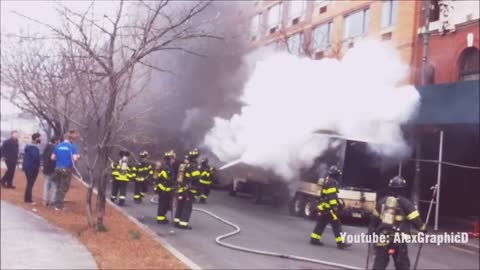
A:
[444,52]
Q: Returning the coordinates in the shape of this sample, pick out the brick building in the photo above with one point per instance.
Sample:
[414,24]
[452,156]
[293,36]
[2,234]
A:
[453,49]
[327,28]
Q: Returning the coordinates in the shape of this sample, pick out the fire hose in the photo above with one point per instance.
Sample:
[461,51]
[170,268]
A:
[219,241]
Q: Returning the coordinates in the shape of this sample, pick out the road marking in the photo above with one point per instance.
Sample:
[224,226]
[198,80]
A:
[464,250]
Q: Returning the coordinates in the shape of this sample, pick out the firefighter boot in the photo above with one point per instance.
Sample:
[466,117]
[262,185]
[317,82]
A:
[341,245]
[315,242]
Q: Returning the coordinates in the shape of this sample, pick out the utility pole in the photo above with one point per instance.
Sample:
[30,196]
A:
[424,74]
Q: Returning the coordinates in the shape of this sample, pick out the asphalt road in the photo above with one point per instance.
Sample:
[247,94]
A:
[272,229]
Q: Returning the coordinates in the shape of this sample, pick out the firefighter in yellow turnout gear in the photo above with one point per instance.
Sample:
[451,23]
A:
[121,174]
[187,191]
[164,185]
[143,171]
[205,180]
[328,210]
[393,216]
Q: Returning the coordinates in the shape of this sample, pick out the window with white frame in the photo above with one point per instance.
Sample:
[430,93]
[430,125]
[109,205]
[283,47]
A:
[296,9]
[322,35]
[356,24]
[255,24]
[295,43]
[274,16]
[389,13]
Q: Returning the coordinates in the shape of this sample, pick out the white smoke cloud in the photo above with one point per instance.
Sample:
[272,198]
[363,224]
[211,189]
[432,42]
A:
[288,98]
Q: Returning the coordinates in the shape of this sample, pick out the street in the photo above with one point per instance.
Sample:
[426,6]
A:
[266,228]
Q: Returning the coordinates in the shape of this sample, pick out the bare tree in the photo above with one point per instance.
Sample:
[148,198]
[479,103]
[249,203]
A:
[109,60]
[38,83]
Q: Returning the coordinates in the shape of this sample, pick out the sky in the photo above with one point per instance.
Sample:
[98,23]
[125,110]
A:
[44,11]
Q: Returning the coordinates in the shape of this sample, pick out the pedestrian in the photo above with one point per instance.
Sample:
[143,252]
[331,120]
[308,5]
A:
[392,218]
[10,155]
[31,166]
[49,187]
[328,210]
[65,155]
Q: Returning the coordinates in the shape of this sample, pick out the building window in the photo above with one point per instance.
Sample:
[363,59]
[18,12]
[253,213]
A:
[295,43]
[296,9]
[469,65]
[356,24]
[389,13]
[255,24]
[322,35]
[274,16]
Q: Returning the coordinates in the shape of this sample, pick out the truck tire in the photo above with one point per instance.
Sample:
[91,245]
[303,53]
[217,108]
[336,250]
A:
[309,209]
[231,190]
[297,206]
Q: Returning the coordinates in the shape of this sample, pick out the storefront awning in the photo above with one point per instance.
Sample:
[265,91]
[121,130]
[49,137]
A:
[455,103]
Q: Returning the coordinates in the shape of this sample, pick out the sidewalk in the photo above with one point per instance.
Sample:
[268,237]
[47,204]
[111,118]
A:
[29,242]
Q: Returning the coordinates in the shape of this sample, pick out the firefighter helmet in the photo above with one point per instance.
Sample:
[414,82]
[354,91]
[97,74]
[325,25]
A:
[334,171]
[397,182]
[143,154]
[172,154]
[193,153]
[124,153]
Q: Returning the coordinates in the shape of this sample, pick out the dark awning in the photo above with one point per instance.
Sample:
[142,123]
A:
[454,103]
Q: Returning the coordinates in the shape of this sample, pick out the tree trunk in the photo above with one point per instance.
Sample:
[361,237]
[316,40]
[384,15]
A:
[102,190]
[89,199]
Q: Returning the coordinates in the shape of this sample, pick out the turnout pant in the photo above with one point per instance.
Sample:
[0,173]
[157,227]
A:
[31,178]
[325,218]
[205,191]
[141,187]
[119,190]
[184,208]
[164,204]
[7,179]
[400,257]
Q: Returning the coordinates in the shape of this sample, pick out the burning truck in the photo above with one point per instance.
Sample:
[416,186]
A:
[356,194]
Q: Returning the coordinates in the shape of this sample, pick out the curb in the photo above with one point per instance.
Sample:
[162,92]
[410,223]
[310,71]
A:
[184,259]
[468,247]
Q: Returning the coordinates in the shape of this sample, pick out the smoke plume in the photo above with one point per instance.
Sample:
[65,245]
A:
[287,99]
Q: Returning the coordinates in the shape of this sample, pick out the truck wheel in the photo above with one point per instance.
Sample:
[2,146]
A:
[231,190]
[309,209]
[297,206]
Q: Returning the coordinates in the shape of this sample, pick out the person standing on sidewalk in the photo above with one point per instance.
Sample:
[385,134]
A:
[64,154]
[10,155]
[48,170]
[31,165]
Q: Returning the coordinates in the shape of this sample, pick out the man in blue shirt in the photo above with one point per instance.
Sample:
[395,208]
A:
[65,155]
[31,166]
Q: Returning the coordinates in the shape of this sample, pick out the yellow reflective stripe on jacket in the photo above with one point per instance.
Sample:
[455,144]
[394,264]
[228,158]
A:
[196,173]
[399,218]
[205,182]
[164,188]
[160,218]
[338,239]
[163,174]
[333,202]
[187,175]
[315,236]
[413,215]
[329,190]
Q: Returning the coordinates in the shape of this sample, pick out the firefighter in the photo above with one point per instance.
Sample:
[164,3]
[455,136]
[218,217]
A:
[205,180]
[392,217]
[164,186]
[143,171]
[121,174]
[328,209]
[187,191]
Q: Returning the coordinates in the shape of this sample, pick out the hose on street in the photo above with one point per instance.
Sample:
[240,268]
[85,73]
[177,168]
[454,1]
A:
[219,241]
